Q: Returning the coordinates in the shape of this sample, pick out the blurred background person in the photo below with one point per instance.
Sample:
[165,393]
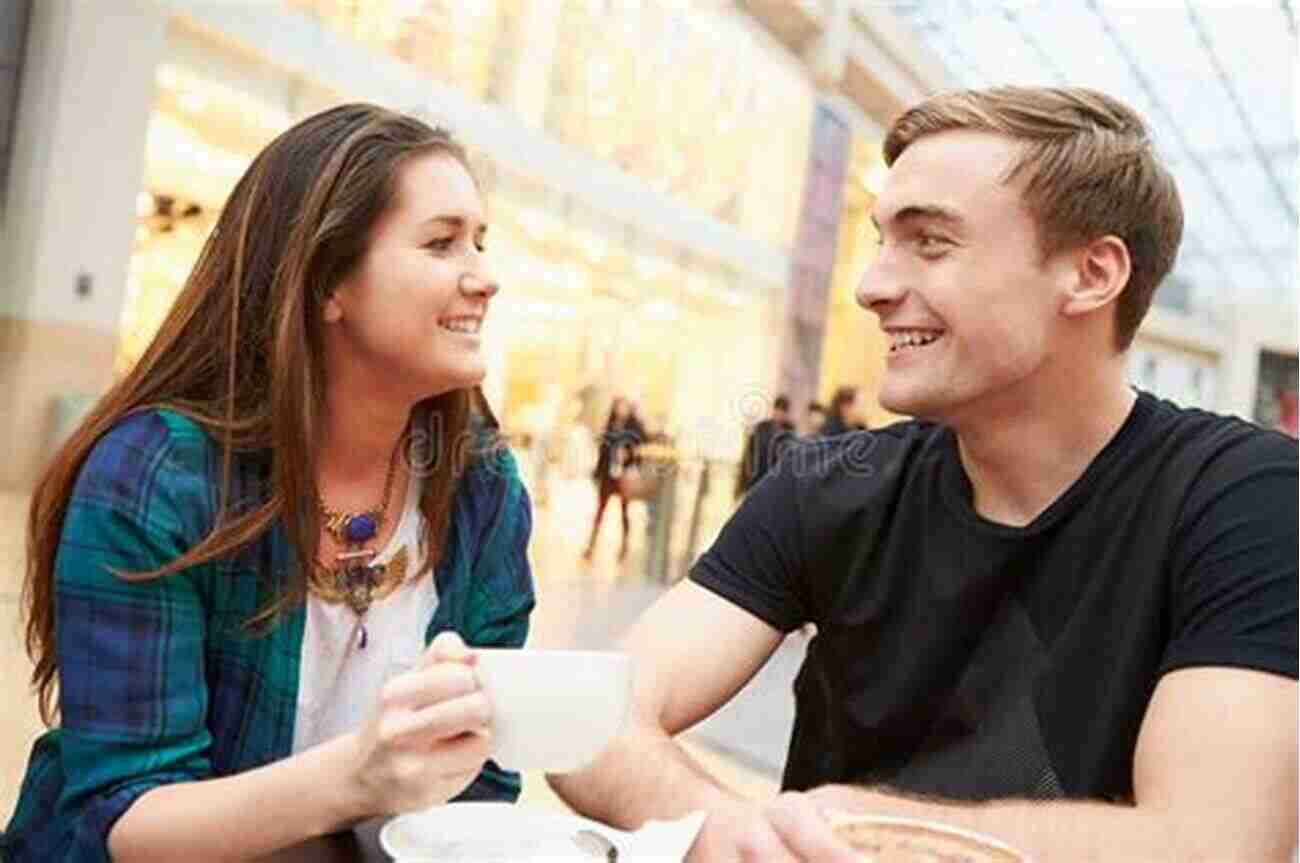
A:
[623,433]
[764,445]
[1288,419]
[846,413]
[813,419]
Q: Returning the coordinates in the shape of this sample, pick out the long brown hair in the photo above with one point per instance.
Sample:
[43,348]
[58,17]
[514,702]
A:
[240,353]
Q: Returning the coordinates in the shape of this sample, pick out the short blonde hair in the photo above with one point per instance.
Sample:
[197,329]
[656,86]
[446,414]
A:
[1090,171]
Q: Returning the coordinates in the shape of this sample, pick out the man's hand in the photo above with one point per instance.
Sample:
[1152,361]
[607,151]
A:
[788,829]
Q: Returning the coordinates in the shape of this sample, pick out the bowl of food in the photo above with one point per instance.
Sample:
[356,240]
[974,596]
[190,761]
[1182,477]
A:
[554,710]
[887,839]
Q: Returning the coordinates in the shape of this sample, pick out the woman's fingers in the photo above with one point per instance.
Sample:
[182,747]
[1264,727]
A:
[447,647]
[441,721]
[428,685]
[464,754]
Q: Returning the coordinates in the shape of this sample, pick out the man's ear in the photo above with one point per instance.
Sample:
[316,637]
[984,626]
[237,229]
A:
[1101,272]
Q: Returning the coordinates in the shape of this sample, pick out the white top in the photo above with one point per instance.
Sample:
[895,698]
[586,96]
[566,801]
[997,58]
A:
[339,681]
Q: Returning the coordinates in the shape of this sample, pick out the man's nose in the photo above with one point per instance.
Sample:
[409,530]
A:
[881,285]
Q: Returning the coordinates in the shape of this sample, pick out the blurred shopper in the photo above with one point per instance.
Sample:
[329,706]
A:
[845,414]
[764,445]
[615,465]
[813,419]
[1288,413]
[236,549]
[1051,609]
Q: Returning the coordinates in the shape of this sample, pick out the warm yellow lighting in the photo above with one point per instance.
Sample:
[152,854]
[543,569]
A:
[168,78]
[193,102]
[649,267]
[574,278]
[875,179]
[660,311]
[655,92]
[594,246]
[531,223]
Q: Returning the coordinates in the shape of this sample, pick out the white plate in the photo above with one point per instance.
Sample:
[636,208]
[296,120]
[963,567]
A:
[485,833]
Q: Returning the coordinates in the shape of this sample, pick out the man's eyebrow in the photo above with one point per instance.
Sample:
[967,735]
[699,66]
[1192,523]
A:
[915,212]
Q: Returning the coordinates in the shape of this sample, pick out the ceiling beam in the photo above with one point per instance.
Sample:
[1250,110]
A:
[1226,209]
[1242,114]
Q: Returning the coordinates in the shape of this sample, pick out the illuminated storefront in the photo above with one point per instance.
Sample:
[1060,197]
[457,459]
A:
[855,348]
[590,307]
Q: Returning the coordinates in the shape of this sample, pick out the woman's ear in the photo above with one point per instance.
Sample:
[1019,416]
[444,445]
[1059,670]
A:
[332,310]
[1100,275]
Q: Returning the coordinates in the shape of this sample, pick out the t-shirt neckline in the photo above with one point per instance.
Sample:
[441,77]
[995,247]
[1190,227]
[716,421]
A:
[958,493]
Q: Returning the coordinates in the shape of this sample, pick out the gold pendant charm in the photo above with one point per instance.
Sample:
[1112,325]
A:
[355,579]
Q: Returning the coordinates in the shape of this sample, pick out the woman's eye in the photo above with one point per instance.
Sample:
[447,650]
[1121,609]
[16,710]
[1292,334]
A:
[480,244]
[441,244]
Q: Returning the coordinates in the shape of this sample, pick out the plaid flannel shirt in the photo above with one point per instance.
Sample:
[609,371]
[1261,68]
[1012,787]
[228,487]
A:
[160,681]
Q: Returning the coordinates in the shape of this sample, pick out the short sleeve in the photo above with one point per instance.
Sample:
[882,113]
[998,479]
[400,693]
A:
[1235,563]
[133,697]
[757,561]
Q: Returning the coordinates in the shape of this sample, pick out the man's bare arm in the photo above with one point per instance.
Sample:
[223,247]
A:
[693,651]
[1214,780]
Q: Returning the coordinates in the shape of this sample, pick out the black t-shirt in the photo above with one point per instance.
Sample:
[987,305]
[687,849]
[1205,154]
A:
[973,660]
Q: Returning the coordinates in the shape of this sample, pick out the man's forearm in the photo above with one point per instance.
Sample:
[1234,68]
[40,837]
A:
[1075,831]
[645,774]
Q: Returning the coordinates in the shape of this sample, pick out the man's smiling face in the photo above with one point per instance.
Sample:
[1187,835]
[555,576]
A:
[960,285]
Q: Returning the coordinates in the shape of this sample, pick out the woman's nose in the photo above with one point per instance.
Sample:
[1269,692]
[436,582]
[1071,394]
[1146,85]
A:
[476,285]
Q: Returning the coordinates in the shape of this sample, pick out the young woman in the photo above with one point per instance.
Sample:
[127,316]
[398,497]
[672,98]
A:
[618,443]
[239,563]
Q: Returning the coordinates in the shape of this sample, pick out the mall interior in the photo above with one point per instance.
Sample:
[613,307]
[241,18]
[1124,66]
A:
[679,194]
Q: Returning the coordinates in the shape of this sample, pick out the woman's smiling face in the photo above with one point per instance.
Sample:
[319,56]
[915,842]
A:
[410,313]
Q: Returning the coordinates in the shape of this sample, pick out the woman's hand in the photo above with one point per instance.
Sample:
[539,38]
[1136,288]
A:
[427,737]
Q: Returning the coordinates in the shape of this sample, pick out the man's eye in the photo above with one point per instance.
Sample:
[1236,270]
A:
[480,244]
[930,242]
[441,244]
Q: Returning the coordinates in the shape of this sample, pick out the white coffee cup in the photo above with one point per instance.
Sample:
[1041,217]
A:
[554,710]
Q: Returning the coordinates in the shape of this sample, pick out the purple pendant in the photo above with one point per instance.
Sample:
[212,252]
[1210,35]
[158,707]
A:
[360,528]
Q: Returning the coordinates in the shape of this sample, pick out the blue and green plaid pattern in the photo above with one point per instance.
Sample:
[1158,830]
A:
[160,680]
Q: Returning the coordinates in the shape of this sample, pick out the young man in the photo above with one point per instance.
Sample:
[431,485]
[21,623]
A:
[764,445]
[1050,609]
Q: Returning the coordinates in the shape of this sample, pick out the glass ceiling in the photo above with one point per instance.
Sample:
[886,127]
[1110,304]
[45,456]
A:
[1215,82]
